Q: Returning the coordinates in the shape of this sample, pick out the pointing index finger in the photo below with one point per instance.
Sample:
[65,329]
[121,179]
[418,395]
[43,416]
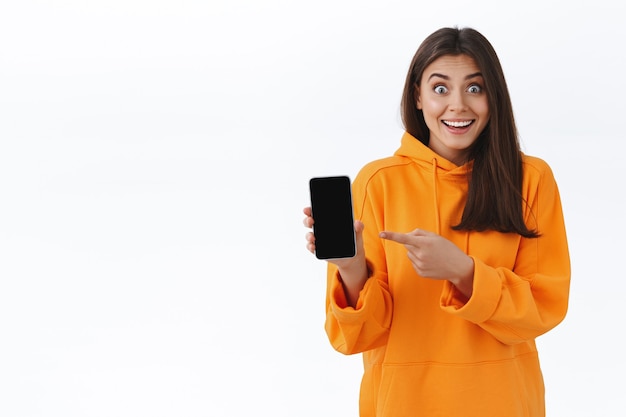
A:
[402,238]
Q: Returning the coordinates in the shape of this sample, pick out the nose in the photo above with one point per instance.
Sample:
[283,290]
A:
[457,101]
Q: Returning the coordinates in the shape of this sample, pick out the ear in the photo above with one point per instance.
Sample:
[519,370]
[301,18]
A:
[416,97]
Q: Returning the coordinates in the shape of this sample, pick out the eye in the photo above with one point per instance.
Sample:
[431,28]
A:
[440,89]
[474,89]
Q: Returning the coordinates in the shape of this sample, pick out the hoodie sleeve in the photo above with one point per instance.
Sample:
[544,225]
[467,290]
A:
[523,303]
[354,330]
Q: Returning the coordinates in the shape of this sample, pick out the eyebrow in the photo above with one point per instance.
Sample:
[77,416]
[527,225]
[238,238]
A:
[445,77]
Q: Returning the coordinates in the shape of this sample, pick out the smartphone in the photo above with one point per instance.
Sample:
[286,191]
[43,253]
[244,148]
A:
[333,218]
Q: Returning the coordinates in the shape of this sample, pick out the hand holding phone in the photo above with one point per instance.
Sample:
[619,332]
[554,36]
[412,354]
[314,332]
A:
[331,208]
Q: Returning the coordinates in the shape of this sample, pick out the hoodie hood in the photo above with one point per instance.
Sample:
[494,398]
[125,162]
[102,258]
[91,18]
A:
[411,147]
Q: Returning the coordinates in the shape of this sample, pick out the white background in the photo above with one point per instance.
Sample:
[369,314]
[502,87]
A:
[154,159]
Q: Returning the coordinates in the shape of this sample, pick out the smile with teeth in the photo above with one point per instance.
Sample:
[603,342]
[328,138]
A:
[457,124]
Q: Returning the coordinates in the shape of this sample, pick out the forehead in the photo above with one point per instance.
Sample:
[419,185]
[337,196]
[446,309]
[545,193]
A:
[452,66]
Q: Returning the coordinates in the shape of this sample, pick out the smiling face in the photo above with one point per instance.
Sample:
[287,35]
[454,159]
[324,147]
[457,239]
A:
[454,103]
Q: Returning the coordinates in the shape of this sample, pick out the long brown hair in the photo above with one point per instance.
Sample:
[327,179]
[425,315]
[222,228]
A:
[494,200]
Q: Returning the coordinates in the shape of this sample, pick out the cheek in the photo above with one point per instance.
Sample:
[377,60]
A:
[432,108]
[482,108]
[432,111]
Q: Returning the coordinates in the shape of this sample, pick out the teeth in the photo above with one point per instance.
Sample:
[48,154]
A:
[458,124]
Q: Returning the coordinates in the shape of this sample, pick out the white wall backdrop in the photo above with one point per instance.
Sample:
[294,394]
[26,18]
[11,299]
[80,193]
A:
[154,159]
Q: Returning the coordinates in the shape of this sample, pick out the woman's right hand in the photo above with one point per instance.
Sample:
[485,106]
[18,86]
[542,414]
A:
[310,238]
[353,270]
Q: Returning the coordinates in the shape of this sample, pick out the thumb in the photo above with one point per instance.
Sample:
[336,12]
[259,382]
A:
[358,226]
[358,230]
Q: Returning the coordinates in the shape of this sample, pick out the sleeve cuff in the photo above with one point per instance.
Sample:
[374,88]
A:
[339,303]
[487,289]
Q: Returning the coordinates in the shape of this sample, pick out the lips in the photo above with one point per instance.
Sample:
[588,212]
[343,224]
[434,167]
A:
[457,124]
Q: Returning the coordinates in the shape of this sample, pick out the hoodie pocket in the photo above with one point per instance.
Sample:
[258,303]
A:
[504,388]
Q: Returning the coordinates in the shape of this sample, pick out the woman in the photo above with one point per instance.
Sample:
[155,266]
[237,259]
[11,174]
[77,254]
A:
[462,256]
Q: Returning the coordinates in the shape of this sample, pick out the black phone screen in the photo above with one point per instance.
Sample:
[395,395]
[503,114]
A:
[333,220]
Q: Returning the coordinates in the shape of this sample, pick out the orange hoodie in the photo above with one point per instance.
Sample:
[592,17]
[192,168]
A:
[426,352]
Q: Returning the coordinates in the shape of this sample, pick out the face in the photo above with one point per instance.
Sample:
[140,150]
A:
[452,98]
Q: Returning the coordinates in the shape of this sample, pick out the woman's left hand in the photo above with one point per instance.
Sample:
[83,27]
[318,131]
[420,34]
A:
[435,257]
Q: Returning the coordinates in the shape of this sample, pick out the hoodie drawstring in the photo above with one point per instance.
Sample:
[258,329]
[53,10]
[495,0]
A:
[436,203]
[436,199]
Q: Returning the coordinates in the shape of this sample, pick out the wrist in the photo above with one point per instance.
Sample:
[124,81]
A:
[353,270]
[464,282]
